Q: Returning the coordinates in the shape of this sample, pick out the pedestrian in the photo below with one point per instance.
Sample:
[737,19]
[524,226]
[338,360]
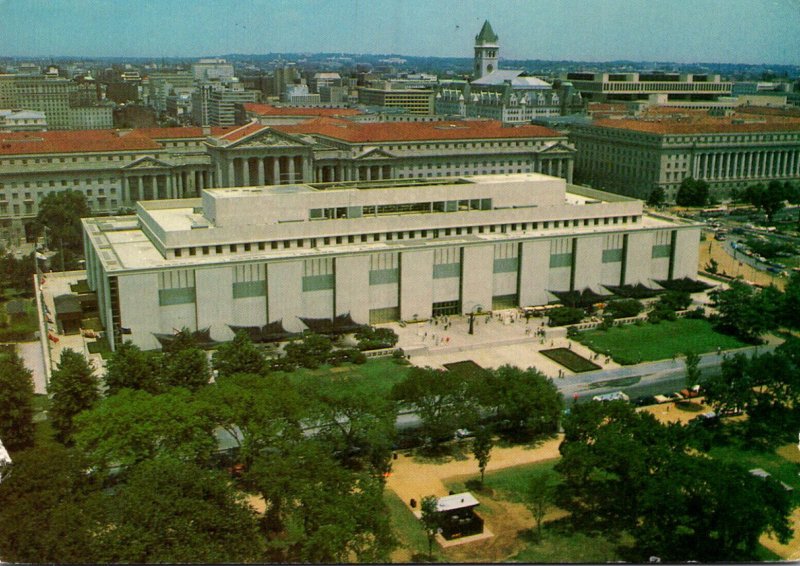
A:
[569,345]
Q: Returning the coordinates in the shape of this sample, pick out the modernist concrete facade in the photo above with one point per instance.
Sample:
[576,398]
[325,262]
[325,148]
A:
[380,251]
[114,169]
[633,157]
[609,87]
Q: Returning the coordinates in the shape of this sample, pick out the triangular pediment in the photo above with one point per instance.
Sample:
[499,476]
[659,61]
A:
[148,163]
[558,147]
[374,153]
[269,138]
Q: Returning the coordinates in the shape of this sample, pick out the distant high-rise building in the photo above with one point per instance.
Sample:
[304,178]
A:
[212,70]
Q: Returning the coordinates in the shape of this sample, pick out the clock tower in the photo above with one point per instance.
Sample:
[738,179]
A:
[486,51]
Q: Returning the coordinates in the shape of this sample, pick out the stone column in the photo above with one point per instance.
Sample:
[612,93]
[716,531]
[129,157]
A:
[570,167]
[307,169]
[218,168]
[126,190]
[231,181]
[154,186]
[276,170]
[140,188]
[260,164]
[290,159]
[369,173]
[246,172]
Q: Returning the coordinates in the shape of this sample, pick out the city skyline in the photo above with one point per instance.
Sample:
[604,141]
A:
[742,31]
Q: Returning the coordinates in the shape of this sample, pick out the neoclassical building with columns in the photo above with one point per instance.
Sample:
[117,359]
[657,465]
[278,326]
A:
[114,169]
[375,251]
[634,156]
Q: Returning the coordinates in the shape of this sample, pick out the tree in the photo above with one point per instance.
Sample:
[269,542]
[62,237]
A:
[318,511]
[540,498]
[186,368]
[133,426]
[692,193]
[524,402]
[739,311]
[431,520]
[129,367]
[623,470]
[693,373]
[769,199]
[73,388]
[43,508]
[169,510]
[16,403]
[657,197]
[360,428]
[238,356]
[442,400]
[482,446]
[310,352]
[17,273]
[60,214]
[791,302]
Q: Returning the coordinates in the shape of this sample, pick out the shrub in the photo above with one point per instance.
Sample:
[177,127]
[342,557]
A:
[370,338]
[572,332]
[624,308]
[564,316]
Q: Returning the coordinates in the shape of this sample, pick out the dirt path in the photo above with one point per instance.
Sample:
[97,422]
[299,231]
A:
[415,478]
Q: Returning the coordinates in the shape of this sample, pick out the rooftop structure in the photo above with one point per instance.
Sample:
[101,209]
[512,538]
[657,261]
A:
[376,251]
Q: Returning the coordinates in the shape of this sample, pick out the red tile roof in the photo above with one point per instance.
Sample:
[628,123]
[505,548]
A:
[74,141]
[710,125]
[269,110]
[183,132]
[356,132]
[242,131]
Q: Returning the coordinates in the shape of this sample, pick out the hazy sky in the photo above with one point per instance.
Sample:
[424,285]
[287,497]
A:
[685,31]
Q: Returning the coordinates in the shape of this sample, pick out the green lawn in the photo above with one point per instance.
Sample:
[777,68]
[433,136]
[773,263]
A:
[781,469]
[510,483]
[407,528]
[374,378]
[631,344]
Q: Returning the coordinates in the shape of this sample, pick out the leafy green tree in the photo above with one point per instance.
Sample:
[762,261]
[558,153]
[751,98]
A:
[130,368]
[169,510]
[238,356]
[431,520]
[739,311]
[371,338]
[43,508]
[657,197]
[133,426]
[693,373]
[623,470]
[692,193]
[769,199]
[186,368]
[317,510]
[524,403]
[73,388]
[310,352]
[16,403]
[791,302]
[540,498]
[442,399]
[732,389]
[60,214]
[260,414]
[482,446]
[17,273]
[360,428]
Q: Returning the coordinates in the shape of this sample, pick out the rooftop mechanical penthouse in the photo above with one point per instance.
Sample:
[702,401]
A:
[380,251]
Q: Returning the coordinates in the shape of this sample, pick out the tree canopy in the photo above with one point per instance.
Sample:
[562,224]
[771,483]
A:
[60,214]
[692,193]
[74,388]
[16,403]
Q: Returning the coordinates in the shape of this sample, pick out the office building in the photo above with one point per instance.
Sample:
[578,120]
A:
[371,251]
[634,156]
[624,87]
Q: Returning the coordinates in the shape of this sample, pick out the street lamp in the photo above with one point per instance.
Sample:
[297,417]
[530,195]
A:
[477,309]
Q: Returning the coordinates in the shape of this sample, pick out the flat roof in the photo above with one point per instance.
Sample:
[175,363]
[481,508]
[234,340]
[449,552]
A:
[457,501]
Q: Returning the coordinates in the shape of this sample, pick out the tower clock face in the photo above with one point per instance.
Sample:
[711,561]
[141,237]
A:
[490,68]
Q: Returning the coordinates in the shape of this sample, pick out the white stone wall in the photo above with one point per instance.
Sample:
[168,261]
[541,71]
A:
[416,276]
